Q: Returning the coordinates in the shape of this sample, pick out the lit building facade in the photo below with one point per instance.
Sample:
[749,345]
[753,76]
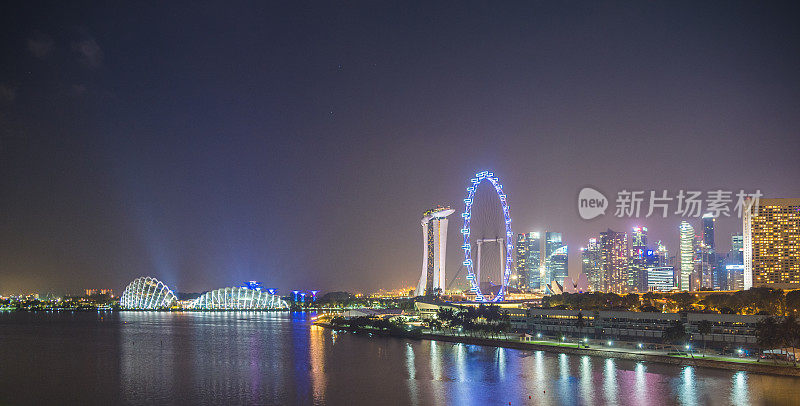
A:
[662,254]
[529,260]
[772,243]
[737,248]
[686,255]
[658,279]
[556,258]
[704,265]
[638,260]
[614,261]
[735,277]
[716,275]
[434,239]
[591,265]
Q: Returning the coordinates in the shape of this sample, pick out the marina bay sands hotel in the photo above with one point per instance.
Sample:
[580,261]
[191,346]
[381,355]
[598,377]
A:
[434,238]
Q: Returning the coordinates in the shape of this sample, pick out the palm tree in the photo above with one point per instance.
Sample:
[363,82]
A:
[704,327]
[766,334]
[676,334]
[788,331]
[580,323]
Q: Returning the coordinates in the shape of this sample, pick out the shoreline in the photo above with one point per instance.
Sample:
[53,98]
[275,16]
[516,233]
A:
[761,368]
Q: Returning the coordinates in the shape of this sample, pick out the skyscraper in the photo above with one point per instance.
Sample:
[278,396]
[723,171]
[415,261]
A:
[529,261]
[591,265]
[772,244]
[737,247]
[658,279]
[708,230]
[662,255]
[704,269]
[734,264]
[434,239]
[686,255]
[555,258]
[614,260]
[637,264]
[718,274]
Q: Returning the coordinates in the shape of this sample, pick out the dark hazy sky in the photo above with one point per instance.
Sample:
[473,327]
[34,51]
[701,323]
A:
[298,143]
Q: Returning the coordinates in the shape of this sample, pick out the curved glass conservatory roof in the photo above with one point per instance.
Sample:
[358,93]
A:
[147,293]
[239,298]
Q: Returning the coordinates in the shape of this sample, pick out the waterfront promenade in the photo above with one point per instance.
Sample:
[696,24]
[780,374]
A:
[620,350]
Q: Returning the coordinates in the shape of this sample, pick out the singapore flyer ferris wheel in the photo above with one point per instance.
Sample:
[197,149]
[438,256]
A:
[490,228]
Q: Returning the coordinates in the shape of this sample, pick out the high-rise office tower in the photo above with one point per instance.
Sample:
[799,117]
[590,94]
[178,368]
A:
[529,261]
[704,265]
[591,265]
[686,255]
[614,260]
[734,264]
[637,263]
[711,261]
[555,264]
[658,279]
[522,256]
[737,248]
[662,254]
[434,239]
[708,230]
[772,243]
[639,240]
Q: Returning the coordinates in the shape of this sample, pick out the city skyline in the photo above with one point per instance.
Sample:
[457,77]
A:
[300,148]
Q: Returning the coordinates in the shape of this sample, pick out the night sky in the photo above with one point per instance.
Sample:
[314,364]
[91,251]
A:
[299,143]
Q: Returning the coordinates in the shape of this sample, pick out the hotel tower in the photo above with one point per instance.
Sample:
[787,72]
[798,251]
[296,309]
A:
[434,239]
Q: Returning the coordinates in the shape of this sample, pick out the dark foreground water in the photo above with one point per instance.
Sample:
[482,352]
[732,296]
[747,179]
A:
[279,358]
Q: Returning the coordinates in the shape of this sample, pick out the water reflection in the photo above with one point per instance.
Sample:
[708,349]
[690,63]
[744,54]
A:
[437,386]
[563,372]
[587,387]
[640,385]
[278,358]
[501,363]
[688,390]
[317,356]
[739,395]
[461,361]
[411,370]
[610,382]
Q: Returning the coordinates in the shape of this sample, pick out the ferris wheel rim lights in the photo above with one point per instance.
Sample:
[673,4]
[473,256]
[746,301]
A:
[465,231]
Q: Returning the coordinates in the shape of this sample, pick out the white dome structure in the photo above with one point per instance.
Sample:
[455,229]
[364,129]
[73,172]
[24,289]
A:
[147,293]
[238,298]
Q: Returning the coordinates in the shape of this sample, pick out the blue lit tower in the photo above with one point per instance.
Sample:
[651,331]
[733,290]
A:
[434,240]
